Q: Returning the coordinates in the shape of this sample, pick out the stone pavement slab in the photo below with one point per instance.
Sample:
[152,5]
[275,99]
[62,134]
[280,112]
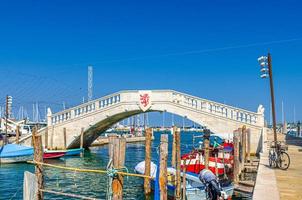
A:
[266,184]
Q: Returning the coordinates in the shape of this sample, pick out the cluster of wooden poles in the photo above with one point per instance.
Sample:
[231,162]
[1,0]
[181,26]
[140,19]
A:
[117,152]
[242,150]
[163,158]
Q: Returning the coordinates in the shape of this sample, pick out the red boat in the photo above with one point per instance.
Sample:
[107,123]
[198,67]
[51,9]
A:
[195,163]
[48,154]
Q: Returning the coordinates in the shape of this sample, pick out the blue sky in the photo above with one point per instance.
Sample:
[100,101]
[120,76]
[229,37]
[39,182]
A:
[204,48]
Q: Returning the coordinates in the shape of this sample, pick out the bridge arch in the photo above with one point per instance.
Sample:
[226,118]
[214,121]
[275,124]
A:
[98,115]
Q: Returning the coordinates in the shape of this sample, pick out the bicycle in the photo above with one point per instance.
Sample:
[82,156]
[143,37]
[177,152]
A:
[278,156]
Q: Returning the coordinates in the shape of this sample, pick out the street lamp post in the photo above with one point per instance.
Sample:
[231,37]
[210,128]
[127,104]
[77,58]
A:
[266,70]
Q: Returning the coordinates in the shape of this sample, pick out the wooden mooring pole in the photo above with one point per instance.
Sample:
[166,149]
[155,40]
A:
[46,138]
[236,156]
[178,162]
[248,145]
[38,157]
[243,145]
[240,130]
[163,167]
[64,135]
[148,136]
[82,141]
[117,155]
[184,182]
[206,143]
[17,134]
[173,161]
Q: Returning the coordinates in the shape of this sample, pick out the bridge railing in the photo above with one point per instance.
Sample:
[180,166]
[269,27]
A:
[215,108]
[85,108]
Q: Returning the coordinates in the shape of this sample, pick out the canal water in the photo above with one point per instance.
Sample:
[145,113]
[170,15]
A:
[88,184]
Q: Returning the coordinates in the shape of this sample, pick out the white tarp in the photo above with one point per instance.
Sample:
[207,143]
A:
[30,186]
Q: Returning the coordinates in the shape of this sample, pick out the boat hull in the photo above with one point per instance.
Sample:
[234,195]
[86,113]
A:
[12,153]
[16,159]
[50,154]
[74,152]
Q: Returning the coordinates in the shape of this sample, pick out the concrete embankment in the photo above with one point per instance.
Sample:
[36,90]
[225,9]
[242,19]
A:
[104,140]
[266,184]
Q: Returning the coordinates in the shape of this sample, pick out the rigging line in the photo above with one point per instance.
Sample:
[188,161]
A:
[199,51]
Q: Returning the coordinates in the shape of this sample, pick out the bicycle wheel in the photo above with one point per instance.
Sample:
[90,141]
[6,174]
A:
[283,161]
[272,159]
[270,162]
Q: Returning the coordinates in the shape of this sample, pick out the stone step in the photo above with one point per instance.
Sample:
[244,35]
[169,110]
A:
[247,183]
[242,188]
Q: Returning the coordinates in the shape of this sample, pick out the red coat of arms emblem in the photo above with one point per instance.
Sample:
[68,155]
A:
[144,100]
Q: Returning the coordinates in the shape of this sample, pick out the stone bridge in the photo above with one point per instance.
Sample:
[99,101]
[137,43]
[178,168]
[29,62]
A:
[97,116]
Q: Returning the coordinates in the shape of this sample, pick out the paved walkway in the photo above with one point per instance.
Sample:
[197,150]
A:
[281,184]
[266,184]
[289,182]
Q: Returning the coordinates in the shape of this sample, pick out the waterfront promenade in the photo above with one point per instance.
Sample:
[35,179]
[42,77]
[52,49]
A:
[277,183]
[289,181]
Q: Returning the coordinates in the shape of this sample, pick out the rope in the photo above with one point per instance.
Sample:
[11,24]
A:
[18,190]
[119,171]
[67,194]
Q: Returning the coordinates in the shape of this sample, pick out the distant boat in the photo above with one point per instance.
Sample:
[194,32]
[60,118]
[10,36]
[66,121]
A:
[49,154]
[13,153]
[74,152]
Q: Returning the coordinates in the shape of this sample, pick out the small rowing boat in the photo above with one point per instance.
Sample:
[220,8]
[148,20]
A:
[13,153]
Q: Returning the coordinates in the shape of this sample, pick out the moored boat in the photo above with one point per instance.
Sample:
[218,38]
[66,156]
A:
[195,162]
[13,153]
[74,152]
[195,189]
[49,154]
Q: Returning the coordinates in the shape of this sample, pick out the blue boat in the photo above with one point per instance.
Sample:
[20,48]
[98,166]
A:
[74,152]
[195,189]
[12,153]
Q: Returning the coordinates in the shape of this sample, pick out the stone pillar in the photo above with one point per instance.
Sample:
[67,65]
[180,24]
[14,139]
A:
[72,114]
[49,114]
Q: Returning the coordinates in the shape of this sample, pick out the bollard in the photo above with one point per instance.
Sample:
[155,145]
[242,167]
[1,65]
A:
[148,136]
[163,167]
